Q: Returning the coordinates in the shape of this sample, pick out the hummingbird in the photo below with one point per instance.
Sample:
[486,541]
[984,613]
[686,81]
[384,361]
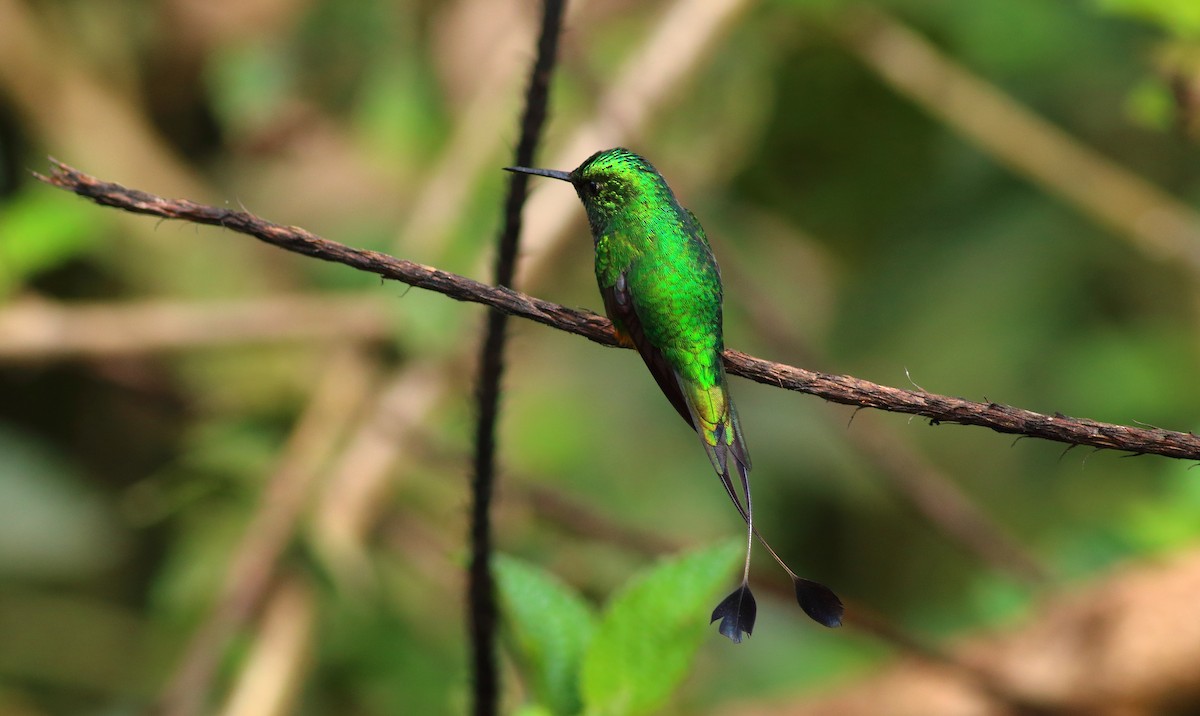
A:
[661,288]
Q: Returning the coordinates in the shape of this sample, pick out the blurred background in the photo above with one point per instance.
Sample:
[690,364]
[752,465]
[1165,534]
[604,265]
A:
[233,480]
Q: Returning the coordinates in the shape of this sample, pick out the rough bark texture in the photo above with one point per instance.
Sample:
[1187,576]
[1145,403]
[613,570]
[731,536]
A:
[836,388]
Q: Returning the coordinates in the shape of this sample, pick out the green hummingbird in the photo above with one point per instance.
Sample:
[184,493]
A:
[662,291]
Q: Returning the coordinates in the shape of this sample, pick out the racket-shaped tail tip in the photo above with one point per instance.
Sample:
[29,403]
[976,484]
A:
[819,602]
[737,613]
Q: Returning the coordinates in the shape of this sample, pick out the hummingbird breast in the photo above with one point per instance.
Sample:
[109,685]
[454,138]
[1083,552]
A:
[670,280]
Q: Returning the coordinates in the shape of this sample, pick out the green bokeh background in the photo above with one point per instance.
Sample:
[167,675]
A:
[882,243]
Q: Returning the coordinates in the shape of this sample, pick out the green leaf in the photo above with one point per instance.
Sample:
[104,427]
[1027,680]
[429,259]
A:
[38,231]
[550,626]
[652,630]
[1150,104]
[1181,17]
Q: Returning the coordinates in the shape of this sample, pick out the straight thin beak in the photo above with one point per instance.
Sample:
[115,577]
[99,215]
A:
[552,173]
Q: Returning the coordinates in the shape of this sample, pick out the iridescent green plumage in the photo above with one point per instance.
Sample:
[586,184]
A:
[662,290]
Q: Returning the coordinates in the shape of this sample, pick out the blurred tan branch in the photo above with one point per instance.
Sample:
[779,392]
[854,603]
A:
[1154,221]
[56,92]
[36,329]
[682,39]
[272,678]
[836,388]
[336,401]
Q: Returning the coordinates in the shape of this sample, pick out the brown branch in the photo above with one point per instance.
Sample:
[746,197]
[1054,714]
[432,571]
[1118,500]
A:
[913,479]
[843,389]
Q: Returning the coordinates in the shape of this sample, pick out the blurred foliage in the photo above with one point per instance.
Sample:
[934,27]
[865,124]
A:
[889,245]
[551,627]
[632,658]
[1179,17]
[63,234]
[649,635]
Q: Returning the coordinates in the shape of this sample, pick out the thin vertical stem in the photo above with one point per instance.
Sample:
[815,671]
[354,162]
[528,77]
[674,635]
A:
[480,597]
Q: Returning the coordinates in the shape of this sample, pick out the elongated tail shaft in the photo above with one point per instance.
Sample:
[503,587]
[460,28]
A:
[818,601]
[714,418]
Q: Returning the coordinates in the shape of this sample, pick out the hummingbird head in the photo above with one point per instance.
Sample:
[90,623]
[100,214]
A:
[613,182]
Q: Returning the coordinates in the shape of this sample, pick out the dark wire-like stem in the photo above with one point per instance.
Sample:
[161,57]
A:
[481,599]
[843,389]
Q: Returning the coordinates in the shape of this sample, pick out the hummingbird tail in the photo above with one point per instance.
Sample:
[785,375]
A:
[715,420]
[819,602]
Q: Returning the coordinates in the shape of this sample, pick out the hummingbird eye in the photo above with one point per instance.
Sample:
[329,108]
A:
[593,187]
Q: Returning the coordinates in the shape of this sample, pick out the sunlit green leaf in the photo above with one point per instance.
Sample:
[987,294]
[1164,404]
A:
[651,630]
[550,626]
[1178,16]
[39,230]
[1151,104]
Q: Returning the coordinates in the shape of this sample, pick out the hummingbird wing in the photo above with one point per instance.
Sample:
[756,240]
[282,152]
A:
[618,304]
[709,410]
[621,310]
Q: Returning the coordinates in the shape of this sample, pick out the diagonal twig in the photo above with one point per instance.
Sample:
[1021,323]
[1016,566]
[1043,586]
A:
[1153,221]
[253,566]
[39,329]
[843,389]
